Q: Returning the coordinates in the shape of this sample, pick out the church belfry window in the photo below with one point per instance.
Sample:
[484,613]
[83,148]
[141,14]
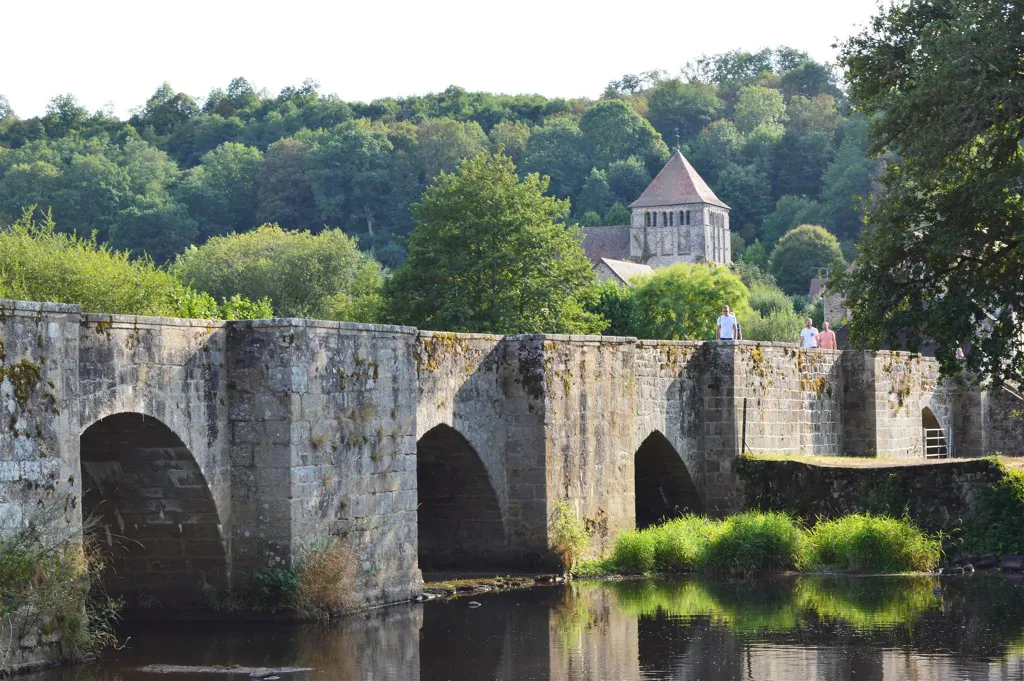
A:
[647,218]
[671,218]
[687,217]
[654,220]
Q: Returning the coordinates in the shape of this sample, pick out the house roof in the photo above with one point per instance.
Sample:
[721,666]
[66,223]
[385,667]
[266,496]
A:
[626,270]
[606,242]
[677,183]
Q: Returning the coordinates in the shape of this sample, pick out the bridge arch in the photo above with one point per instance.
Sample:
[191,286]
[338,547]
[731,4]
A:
[663,487]
[461,525]
[149,505]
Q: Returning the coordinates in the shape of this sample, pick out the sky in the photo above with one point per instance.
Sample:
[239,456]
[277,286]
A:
[115,53]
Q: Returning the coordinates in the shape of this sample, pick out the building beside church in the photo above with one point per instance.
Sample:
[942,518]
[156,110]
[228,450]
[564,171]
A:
[677,218]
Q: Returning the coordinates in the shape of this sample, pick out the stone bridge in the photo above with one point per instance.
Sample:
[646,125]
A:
[201,452]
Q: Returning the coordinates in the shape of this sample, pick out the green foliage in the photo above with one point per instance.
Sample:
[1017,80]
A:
[803,253]
[38,263]
[756,254]
[790,212]
[50,578]
[273,589]
[779,326]
[616,305]
[997,525]
[682,302]
[618,214]
[867,543]
[946,255]
[324,276]
[567,535]
[751,543]
[765,298]
[489,254]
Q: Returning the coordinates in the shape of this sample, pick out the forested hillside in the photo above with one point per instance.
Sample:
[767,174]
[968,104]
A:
[770,131]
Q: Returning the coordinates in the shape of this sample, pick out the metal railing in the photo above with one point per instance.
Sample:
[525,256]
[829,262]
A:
[936,443]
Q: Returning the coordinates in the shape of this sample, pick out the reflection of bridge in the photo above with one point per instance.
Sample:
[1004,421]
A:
[209,450]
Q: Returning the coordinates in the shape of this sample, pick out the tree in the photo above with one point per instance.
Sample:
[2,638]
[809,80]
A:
[627,179]
[284,195]
[323,276]
[158,230]
[801,254]
[442,143]
[759,106]
[789,212]
[718,145]
[942,84]
[489,254]
[6,111]
[221,192]
[596,195]
[612,131]
[682,301]
[847,180]
[510,136]
[556,150]
[684,108]
[617,215]
[748,192]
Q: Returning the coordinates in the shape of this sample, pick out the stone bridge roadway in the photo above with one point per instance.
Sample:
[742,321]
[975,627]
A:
[201,452]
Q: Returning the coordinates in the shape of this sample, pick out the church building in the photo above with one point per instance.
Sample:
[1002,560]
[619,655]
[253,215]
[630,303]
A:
[676,219]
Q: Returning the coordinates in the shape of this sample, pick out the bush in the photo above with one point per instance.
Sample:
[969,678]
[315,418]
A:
[867,543]
[680,543]
[41,264]
[765,298]
[754,542]
[569,537]
[304,275]
[777,326]
[801,255]
[997,525]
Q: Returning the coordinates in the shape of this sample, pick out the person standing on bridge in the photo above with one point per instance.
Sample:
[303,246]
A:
[809,335]
[727,328]
[827,338]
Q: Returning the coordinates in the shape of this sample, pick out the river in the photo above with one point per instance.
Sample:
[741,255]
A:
[789,628]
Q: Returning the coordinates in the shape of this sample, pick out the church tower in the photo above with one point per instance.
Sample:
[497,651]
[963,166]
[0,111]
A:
[679,219]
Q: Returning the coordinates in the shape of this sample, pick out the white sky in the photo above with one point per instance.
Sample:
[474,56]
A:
[119,51]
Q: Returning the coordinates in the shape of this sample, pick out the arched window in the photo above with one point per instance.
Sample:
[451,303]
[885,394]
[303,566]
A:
[671,218]
[687,217]
[664,219]
[654,220]
[647,218]
[682,220]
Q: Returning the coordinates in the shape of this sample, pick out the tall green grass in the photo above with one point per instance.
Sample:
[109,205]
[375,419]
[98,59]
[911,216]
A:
[870,543]
[753,542]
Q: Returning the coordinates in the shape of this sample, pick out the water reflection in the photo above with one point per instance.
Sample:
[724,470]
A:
[835,628]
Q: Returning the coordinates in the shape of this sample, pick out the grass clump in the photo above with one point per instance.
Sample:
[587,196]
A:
[754,542]
[324,575]
[869,543]
[50,584]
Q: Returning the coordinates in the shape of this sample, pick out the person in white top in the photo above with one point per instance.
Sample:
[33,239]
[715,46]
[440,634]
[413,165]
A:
[727,327]
[809,335]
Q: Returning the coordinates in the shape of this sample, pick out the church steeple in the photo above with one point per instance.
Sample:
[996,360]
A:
[678,218]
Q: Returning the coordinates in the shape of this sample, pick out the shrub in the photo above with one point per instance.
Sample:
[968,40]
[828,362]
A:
[754,542]
[39,263]
[765,298]
[680,543]
[997,524]
[568,536]
[324,574]
[49,578]
[867,543]
[777,325]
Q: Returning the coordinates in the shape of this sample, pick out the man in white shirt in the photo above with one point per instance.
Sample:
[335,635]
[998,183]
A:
[727,326]
[809,335]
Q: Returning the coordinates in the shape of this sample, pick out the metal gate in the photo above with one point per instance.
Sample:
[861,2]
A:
[937,443]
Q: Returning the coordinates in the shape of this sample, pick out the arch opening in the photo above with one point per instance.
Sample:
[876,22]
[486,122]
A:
[146,502]
[460,523]
[933,435]
[663,486]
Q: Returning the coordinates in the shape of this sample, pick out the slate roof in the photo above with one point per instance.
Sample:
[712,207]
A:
[626,270]
[606,242]
[677,183]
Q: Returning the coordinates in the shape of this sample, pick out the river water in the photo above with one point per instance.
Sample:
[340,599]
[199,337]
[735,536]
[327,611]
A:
[790,629]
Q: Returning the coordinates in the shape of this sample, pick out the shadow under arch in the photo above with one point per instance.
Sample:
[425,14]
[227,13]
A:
[459,517]
[147,502]
[934,435]
[663,486]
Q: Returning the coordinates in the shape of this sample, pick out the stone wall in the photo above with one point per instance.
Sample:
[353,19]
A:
[40,484]
[938,496]
[323,418]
